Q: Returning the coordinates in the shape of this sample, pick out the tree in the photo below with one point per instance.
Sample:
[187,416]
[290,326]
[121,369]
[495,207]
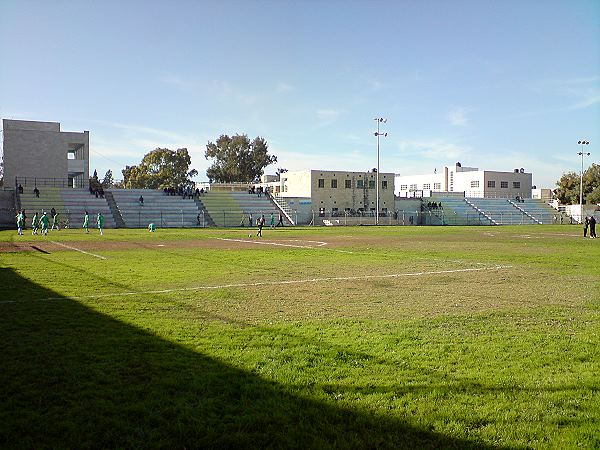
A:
[569,186]
[161,168]
[94,182]
[237,159]
[108,180]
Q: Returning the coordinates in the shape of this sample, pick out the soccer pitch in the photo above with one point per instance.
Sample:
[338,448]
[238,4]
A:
[365,337]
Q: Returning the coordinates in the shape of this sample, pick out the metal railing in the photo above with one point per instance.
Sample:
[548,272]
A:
[33,182]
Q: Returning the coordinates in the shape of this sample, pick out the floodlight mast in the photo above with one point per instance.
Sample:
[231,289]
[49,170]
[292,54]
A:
[582,154]
[377,134]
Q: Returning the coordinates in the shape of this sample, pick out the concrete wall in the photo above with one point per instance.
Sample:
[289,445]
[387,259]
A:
[40,150]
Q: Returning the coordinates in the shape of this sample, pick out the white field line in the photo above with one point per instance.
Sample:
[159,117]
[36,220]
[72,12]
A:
[279,244]
[269,283]
[78,250]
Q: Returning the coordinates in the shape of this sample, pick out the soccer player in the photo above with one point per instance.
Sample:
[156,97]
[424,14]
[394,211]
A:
[100,222]
[44,223]
[20,222]
[55,221]
[260,223]
[34,224]
[86,222]
[272,220]
[151,227]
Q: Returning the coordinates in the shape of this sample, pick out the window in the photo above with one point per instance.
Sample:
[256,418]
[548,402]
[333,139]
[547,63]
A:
[516,185]
[427,186]
[334,183]
[371,184]
[360,184]
[475,183]
[403,187]
[413,187]
[321,182]
[384,184]
[437,186]
[491,184]
[504,184]
[348,184]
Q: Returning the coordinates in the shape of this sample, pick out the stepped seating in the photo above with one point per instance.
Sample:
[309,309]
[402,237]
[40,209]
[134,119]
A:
[502,211]
[70,204]
[540,210]
[166,211]
[77,201]
[232,208]
[456,211]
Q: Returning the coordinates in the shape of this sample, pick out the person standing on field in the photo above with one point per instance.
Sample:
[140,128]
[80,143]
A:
[100,222]
[272,220]
[55,221]
[20,222]
[86,222]
[44,223]
[592,227]
[586,224]
[260,223]
[34,223]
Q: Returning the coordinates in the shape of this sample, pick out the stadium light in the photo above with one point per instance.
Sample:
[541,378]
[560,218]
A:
[379,120]
[582,154]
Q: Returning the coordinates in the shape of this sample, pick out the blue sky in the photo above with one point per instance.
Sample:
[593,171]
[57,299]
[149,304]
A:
[496,85]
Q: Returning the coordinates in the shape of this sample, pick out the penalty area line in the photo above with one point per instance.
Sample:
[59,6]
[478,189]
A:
[78,250]
[269,283]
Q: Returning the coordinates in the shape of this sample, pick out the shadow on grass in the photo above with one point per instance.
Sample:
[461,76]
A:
[74,378]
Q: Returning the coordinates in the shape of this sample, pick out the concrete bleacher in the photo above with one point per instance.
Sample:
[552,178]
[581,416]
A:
[77,201]
[539,210]
[458,211]
[70,204]
[502,211]
[165,211]
[232,208]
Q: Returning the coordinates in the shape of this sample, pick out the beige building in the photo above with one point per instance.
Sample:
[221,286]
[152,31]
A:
[40,154]
[332,192]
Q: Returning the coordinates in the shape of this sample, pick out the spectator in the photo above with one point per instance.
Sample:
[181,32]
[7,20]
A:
[20,189]
[141,200]
[36,191]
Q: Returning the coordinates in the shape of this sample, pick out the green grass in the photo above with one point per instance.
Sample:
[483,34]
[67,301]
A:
[493,345]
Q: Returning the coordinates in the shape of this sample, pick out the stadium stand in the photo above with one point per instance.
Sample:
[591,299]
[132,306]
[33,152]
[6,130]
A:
[165,211]
[232,208]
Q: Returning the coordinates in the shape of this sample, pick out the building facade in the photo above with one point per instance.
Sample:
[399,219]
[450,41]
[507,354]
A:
[40,154]
[338,192]
[471,181]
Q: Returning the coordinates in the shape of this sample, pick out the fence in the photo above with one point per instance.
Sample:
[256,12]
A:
[50,182]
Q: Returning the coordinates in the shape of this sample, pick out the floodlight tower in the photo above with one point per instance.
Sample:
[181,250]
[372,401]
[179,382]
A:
[582,154]
[379,120]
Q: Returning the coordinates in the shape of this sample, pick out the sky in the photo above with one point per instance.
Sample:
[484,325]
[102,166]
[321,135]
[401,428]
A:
[497,85]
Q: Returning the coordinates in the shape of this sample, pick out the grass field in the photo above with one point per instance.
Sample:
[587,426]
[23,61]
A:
[410,337]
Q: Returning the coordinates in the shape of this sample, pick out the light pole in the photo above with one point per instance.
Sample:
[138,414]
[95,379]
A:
[377,134]
[582,154]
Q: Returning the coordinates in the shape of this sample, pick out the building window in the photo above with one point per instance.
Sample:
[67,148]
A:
[348,184]
[360,184]
[334,184]
[384,184]
[321,182]
[491,184]
[437,186]
[504,184]
[413,187]
[427,186]
[475,183]
[516,185]
[403,187]
[371,184]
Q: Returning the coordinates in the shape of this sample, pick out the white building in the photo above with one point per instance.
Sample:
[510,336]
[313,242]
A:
[471,181]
